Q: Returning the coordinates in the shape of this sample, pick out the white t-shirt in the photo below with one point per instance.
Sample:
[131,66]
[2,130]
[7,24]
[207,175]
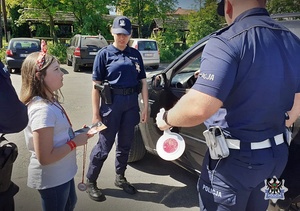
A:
[44,114]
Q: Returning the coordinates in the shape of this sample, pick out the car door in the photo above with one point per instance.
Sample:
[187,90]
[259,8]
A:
[181,81]
[165,90]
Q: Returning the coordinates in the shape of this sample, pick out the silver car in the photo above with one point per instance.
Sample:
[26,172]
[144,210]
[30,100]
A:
[149,51]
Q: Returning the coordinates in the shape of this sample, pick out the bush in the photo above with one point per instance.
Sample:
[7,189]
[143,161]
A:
[2,55]
[168,55]
[169,45]
[59,51]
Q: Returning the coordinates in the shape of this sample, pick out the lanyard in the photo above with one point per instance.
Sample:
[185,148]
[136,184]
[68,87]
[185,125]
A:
[59,106]
[82,186]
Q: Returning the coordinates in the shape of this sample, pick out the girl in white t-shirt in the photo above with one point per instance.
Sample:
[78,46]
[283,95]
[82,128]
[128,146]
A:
[49,135]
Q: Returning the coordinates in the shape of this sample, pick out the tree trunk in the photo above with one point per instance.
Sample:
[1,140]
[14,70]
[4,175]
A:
[52,30]
[4,19]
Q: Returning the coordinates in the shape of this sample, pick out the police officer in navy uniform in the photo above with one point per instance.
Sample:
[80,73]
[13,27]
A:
[13,119]
[122,67]
[251,69]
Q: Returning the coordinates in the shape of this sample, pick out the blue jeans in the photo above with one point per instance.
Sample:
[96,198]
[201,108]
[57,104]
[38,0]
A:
[59,198]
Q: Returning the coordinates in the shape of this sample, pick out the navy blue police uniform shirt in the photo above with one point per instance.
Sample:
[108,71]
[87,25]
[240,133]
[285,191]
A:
[253,67]
[13,113]
[122,69]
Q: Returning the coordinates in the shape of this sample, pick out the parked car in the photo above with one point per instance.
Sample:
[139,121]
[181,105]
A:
[18,49]
[165,89]
[149,51]
[82,50]
[286,20]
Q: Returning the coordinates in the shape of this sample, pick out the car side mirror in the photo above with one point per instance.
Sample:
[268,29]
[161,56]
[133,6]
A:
[158,82]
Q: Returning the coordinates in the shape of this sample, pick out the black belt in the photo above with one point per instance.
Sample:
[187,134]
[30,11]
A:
[124,91]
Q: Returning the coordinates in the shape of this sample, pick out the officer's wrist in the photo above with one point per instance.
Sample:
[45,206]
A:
[165,118]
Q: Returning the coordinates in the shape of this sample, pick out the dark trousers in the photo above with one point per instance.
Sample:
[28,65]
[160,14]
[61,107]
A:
[120,118]
[7,198]
[234,183]
[291,173]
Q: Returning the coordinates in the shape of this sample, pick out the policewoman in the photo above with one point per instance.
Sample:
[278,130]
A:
[122,67]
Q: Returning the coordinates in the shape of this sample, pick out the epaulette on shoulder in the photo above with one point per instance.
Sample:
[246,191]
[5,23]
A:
[105,47]
[102,49]
[220,31]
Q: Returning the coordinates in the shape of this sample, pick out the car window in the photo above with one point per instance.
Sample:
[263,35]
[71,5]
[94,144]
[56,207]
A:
[92,41]
[75,41]
[25,44]
[147,46]
[72,42]
[184,78]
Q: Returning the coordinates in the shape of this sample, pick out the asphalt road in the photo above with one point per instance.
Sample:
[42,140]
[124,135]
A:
[161,185]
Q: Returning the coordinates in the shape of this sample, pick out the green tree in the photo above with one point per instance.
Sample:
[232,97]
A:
[167,43]
[42,8]
[144,11]
[17,30]
[90,15]
[286,6]
[204,22]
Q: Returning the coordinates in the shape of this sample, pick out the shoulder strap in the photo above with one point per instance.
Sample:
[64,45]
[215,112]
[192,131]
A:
[2,138]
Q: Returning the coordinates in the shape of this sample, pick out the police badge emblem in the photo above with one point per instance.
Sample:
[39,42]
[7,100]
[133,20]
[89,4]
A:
[274,189]
[122,23]
[137,67]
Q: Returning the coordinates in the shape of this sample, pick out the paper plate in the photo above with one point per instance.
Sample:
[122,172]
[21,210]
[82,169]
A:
[170,146]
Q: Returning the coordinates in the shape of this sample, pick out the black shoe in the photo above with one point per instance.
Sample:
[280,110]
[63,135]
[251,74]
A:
[94,192]
[121,182]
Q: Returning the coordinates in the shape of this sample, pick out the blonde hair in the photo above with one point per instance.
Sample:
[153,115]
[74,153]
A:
[33,83]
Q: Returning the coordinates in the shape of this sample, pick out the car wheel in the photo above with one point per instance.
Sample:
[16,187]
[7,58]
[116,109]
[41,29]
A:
[69,63]
[155,67]
[138,150]
[9,70]
[75,66]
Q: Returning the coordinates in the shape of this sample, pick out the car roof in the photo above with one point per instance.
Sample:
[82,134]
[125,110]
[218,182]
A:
[285,15]
[89,36]
[86,35]
[24,38]
[289,20]
[141,39]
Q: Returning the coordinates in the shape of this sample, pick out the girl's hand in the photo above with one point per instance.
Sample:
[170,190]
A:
[90,135]
[81,139]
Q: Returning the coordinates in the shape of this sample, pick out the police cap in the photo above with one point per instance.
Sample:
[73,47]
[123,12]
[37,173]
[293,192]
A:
[220,8]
